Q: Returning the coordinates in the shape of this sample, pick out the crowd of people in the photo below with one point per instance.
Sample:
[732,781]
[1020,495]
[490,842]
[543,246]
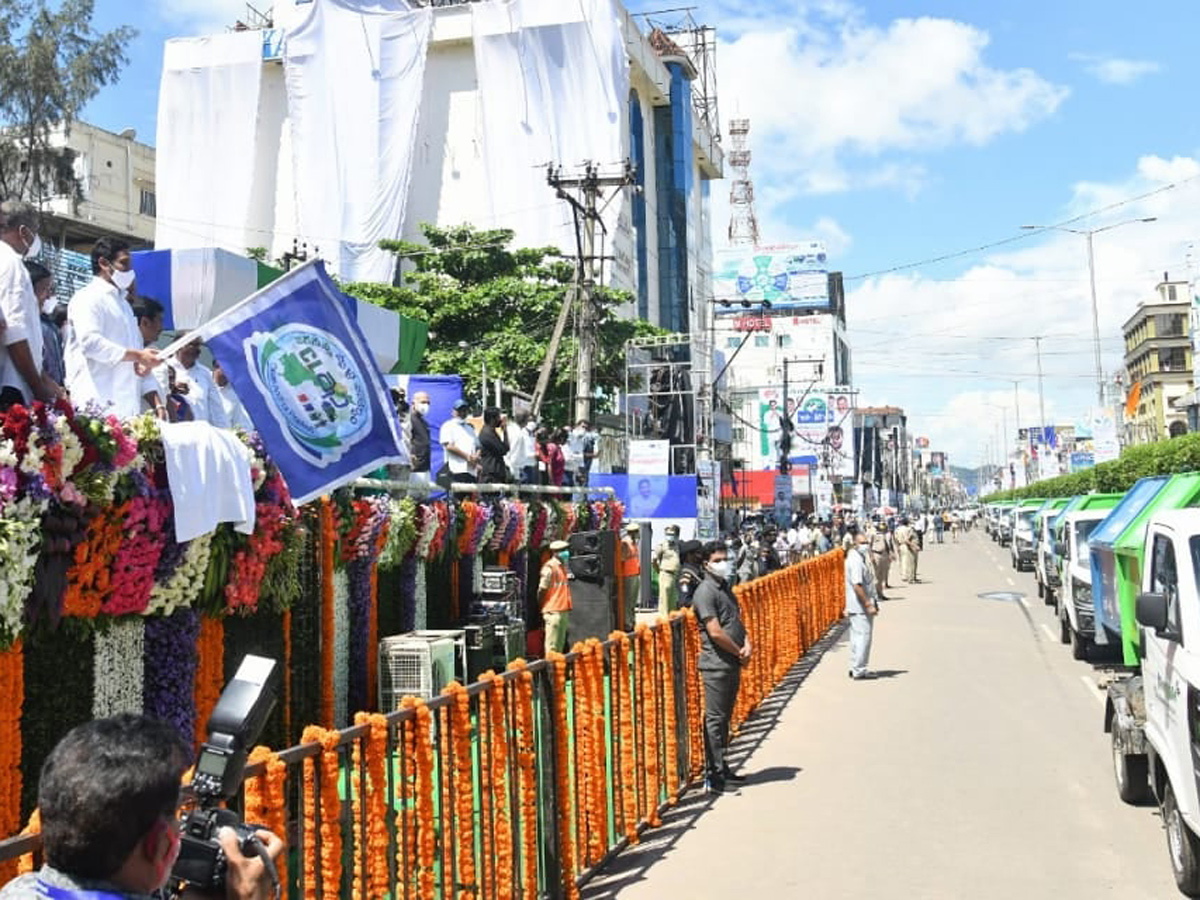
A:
[98,347]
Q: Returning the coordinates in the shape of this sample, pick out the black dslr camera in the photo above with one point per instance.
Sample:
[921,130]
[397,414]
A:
[235,724]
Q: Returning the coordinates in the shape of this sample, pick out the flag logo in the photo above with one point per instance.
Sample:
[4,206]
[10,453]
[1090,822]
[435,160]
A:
[316,391]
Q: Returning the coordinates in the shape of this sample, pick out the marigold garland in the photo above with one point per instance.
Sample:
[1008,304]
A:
[464,795]
[626,764]
[90,575]
[650,704]
[426,838]
[666,656]
[266,798]
[504,883]
[327,803]
[12,697]
[210,671]
[375,745]
[566,843]
[527,778]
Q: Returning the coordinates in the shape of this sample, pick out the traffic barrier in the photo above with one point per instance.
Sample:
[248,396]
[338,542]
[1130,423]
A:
[521,784]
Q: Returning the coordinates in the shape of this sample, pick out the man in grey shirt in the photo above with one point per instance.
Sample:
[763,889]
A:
[724,649]
[860,605]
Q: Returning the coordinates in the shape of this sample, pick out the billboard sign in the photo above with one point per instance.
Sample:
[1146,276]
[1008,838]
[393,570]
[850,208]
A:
[788,276]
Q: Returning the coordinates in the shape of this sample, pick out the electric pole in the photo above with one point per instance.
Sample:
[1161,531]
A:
[1037,342]
[584,193]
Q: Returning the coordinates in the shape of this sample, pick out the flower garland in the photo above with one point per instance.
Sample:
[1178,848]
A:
[420,595]
[597,782]
[537,532]
[375,746]
[566,842]
[266,799]
[469,514]
[402,533]
[169,669]
[423,831]
[12,698]
[464,794]
[89,578]
[135,562]
[20,537]
[328,805]
[505,875]
[695,696]
[647,673]
[341,646]
[526,777]
[520,528]
[328,547]
[622,703]
[667,679]
[210,670]
[118,665]
[181,588]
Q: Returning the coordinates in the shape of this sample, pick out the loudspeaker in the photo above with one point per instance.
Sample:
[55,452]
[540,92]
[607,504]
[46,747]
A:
[587,568]
[596,543]
[591,611]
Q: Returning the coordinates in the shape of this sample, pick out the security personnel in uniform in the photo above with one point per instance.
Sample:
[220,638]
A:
[554,596]
[666,563]
[631,573]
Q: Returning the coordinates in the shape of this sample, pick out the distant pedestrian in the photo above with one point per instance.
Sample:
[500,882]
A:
[724,649]
[860,607]
[631,572]
[691,571]
[493,448]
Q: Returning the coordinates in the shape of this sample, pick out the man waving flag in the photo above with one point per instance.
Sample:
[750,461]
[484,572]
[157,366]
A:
[304,372]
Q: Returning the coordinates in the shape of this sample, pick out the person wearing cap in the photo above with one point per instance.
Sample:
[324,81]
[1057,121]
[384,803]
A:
[666,562]
[691,571]
[907,542]
[883,552]
[554,596]
[461,444]
[631,572]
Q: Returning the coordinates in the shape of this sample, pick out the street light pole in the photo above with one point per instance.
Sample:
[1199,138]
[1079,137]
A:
[1089,233]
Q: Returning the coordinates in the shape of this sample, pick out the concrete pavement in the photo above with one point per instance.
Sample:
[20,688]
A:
[977,768]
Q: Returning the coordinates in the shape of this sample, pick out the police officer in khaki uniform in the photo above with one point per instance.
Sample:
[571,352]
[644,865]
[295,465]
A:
[666,562]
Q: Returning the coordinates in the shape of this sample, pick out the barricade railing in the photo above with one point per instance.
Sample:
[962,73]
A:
[521,784]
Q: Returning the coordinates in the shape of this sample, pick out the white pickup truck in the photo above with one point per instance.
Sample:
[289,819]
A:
[1073,599]
[1156,732]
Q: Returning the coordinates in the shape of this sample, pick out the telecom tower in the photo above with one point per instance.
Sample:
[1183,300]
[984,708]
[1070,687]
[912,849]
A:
[743,223]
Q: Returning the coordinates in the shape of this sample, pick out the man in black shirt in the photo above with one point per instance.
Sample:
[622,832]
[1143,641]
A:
[418,445]
[724,649]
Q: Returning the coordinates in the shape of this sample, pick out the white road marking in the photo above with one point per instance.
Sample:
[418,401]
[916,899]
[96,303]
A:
[1024,603]
[1049,632]
[1010,581]
[1093,689]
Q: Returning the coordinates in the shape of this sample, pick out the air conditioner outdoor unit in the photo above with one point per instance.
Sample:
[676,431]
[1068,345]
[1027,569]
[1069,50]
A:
[414,665]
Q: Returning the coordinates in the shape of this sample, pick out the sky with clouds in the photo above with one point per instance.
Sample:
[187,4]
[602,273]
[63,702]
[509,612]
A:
[903,132]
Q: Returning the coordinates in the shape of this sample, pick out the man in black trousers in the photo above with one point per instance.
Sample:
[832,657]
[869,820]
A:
[724,649]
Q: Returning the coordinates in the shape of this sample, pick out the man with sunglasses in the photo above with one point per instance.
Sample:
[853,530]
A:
[109,796]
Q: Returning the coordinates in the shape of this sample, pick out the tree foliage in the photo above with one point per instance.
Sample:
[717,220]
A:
[1169,457]
[472,287]
[52,62]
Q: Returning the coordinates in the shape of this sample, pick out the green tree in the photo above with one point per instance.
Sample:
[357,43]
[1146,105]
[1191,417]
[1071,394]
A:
[472,287]
[52,62]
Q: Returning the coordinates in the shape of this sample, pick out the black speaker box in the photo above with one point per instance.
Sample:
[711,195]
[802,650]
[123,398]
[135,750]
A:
[596,543]
[591,611]
[587,568]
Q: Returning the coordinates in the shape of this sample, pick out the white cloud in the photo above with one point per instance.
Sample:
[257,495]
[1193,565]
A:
[1114,69]
[835,102]
[945,347]
[188,18]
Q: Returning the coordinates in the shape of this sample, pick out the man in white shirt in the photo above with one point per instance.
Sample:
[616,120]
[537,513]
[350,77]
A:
[104,353]
[461,444]
[149,315]
[522,458]
[195,382]
[235,413]
[21,377]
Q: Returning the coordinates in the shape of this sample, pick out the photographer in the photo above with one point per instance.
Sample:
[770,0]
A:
[109,794]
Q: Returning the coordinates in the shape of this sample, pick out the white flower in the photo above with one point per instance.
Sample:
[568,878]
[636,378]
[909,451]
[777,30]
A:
[117,668]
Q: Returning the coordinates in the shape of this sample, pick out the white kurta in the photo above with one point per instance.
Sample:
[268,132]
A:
[100,328]
[19,309]
[201,393]
[235,413]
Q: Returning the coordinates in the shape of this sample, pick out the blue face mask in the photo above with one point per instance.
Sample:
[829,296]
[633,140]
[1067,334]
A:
[564,555]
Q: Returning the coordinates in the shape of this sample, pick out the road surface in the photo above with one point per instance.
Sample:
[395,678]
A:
[977,768]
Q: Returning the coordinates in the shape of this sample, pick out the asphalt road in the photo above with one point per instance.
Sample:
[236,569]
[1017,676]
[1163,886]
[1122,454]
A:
[977,768]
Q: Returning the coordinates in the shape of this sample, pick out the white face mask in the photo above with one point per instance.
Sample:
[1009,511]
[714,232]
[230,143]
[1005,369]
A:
[720,569]
[35,247]
[123,280]
[422,408]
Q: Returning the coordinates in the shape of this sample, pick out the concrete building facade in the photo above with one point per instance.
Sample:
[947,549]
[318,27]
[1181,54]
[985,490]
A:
[1158,361]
